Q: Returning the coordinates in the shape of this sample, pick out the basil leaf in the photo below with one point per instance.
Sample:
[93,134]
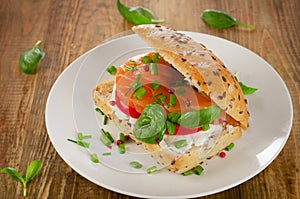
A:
[198,118]
[150,126]
[32,170]
[137,15]
[219,19]
[170,127]
[143,11]
[13,173]
[30,59]
[246,89]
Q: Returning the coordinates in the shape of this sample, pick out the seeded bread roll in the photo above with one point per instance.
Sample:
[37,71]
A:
[200,66]
[175,162]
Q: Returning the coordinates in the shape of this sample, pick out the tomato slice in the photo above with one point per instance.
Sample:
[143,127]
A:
[128,110]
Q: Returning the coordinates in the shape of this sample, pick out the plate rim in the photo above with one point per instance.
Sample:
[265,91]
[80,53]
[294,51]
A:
[193,195]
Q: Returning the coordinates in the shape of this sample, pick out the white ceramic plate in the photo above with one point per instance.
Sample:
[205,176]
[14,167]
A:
[270,123]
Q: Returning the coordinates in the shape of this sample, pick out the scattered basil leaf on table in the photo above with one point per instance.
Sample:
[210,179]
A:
[30,59]
[219,19]
[137,15]
[32,170]
[247,90]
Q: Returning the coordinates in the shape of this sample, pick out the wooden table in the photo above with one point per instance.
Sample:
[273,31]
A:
[69,28]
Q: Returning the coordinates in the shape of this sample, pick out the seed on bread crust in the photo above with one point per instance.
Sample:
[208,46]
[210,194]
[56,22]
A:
[195,61]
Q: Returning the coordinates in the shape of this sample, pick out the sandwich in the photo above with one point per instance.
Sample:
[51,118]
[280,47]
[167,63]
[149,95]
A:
[179,101]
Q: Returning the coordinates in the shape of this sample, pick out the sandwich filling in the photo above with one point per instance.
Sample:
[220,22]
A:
[164,108]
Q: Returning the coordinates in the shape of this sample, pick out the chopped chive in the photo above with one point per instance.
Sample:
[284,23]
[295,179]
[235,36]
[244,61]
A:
[98,110]
[198,170]
[127,91]
[156,94]
[177,83]
[122,149]
[129,68]
[139,93]
[155,85]
[153,69]
[138,77]
[83,144]
[158,101]
[70,140]
[80,136]
[163,97]
[111,70]
[205,127]
[122,137]
[229,147]
[131,62]
[179,91]
[170,127]
[107,134]
[173,117]
[189,172]
[172,100]
[136,164]
[106,153]
[146,60]
[155,57]
[151,169]
[106,138]
[180,143]
[121,143]
[94,158]
[105,120]
[163,100]
[135,85]
[86,137]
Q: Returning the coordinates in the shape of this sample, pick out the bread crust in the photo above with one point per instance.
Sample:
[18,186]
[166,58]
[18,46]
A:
[198,64]
[207,73]
[177,163]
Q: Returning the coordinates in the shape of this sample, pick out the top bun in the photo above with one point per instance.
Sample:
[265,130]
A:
[206,72]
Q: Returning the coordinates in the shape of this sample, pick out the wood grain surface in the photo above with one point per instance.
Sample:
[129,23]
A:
[69,28]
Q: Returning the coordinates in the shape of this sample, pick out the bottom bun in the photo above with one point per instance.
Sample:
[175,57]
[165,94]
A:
[174,161]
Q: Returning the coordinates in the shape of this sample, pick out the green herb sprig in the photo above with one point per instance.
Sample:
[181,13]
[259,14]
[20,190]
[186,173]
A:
[137,15]
[31,172]
[219,19]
